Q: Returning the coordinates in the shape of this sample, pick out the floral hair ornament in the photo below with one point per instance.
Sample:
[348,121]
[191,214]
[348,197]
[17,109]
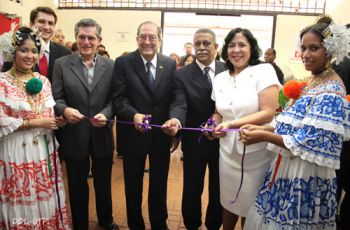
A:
[6,44]
[39,39]
[336,39]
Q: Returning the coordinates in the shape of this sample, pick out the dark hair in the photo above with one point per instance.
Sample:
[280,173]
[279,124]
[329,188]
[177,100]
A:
[206,31]
[186,57]
[273,51]
[254,47]
[159,29]
[43,9]
[103,52]
[100,45]
[74,47]
[87,22]
[188,43]
[318,28]
[23,34]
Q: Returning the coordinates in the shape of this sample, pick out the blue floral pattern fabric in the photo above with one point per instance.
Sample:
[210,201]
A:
[300,193]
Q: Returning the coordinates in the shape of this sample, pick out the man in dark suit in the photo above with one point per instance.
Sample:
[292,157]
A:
[142,86]
[269,57]
[192,106]
[81,89]
[343,70]
[44,19]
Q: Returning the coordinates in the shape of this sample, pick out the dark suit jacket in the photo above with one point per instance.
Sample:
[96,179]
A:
[56,51]
[279,73]
[134,94]
[70,89]
[343,70]
[193,105]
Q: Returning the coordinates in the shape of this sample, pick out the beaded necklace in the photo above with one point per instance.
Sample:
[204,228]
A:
[35,101]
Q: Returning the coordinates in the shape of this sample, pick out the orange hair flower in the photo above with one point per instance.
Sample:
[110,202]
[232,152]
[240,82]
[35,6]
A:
[348,97]
[292,89]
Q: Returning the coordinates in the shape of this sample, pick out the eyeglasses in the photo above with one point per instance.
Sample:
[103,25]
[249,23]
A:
[206,44]
[89,38]
[151,37]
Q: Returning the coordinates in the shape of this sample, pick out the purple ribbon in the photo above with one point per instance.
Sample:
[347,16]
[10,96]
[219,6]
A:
[242,176]
[147,125]
[207,126]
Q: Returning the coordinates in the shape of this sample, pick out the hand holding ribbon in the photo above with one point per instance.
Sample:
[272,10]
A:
[73,116]
[171,127]
[210,125]
[221,129]
[142,122]
[251,134]
[98,120]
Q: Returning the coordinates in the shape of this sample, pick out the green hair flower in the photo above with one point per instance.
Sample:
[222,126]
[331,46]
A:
[34,86]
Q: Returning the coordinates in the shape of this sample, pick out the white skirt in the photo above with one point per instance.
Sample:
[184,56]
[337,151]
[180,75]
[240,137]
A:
[256,165]
[29,192]
[302,195]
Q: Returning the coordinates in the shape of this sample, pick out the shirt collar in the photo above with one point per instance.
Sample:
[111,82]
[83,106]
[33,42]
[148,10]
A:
[153,61]
[211,66]
[93,60]
[47,47]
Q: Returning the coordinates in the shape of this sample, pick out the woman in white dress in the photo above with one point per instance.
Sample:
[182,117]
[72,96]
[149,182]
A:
[31,186]
[247,93]
[299,190]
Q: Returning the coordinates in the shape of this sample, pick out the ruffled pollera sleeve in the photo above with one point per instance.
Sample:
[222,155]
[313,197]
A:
[8,102]
[317,124]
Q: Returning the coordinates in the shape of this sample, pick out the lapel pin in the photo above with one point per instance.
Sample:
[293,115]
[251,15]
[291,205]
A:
[160,67]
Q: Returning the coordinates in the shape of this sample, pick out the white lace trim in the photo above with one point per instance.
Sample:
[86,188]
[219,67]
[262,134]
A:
[309,156]
[15,104]
[317,123]
[20,105]
[279,150]
[10,124]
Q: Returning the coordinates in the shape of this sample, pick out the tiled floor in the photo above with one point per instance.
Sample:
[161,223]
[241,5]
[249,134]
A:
[174,196]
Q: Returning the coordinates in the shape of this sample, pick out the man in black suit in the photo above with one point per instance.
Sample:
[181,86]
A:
[343,70]
[81,89]
[192,106]
[142,84]
[269,57]
[44,19]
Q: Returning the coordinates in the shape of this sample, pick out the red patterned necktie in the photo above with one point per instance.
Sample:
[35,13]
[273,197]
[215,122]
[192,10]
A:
[43,65]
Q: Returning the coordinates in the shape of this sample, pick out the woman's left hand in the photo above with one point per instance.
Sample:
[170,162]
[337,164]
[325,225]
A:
[218,133]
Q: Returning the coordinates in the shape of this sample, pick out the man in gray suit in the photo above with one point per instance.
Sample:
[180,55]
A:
[81,89]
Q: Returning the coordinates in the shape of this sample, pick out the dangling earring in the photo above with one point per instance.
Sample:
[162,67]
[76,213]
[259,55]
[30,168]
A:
[328,65]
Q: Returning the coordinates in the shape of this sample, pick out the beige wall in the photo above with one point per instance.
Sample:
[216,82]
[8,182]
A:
[286,39]
[339,10]
[24,8]
[114,22]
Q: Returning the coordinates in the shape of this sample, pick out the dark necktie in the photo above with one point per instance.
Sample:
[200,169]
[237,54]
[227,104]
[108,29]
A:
[206,74]
[43,65]
[149,74]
